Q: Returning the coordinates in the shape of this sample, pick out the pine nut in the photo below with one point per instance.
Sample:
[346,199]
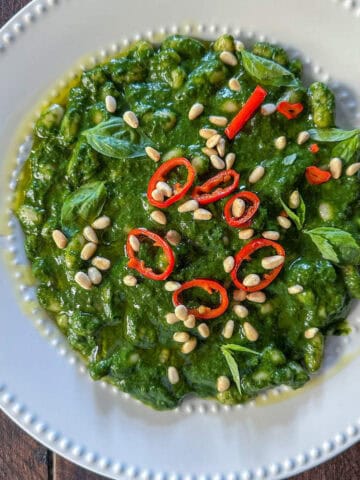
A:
[157,195]
[152,153]
[94,275]
[203,330]
[280,143]
[172,286]
[222,384]
[325,211]
[239,45]
[158,217]
[188,206]
[257,174]
[202,214]
[134,243]
[181,337]
[256,297]
[189,346]
[171,318]
[239,295]
[352,169]
[59,239]
[234,84]
[207,132]
[90,235]
[217,120]
[250,332]
[101,223]
[110,103]
[130,280]
[335,167]
[190,321]
[88,251]
[284,222]
[310,333]
[217,162]
[251,280]
[294,199]
[213,141]
[173,237]
[209,151]
[246,233]
[228,264]
[181,312]
[228,329]
[220,147]
[164,188]
[238,207]
[271,235]
[131,119]
[83,280]
[303,137]
[101,263]
[228,58]
[241,311]
[173,375]
[268,109]
[269,263]
[195,111]
[229,160]
[295,289]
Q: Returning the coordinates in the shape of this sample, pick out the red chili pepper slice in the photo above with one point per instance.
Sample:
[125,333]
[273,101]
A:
[314,148]
[139,265]
[247,111]
[245,219]
[160,176]
[245,254]
[290,110]
[208,193]
[316,176]
[209,286]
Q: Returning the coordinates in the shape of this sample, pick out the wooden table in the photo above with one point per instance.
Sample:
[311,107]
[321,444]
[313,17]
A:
[22,458]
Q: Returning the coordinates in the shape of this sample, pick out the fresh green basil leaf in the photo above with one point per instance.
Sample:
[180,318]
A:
[115,139]
[233,367]
[83,205]
[301,211]
[336,245]
[347,149]
[324,247]
[267,72]
[299,217]
[290,159]
[239,348]
[332,134]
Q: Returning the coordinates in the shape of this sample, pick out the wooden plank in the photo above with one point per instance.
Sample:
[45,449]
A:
[21,457]
[64,470]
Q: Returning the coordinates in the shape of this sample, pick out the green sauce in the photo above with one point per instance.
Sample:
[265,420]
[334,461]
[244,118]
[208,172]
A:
[71,179]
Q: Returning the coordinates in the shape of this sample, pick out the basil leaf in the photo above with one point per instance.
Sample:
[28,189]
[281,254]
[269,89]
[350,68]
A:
[267,72]
[332,134]
[299,217]
[233,367]
[347,148]
[290,159]
[335,244]
[83,205]
[115,139]
[239,348]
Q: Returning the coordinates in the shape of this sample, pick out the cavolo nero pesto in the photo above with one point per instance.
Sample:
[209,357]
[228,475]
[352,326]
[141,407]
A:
[84,194]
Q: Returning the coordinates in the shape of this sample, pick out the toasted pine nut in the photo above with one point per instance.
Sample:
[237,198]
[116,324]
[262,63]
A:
[171,318]
[335,167]
[101,263]
[189,346]
[202,214]
[256,297]
[207,132]
[152,153]
[190,321]
[241,311]
[250,332]
[295,289]
[294,199]
[228,329]
[171,286]
[352,169]
[203,330]
[272,262]
[195,111]
[110,103]
[134,243]
[157,195]
[257,174]
[246,233]
[218,120]
[130,280]
[181,312]
[229,264]
[188,206]
[83,280]
[173,375]
[222,384]
[268,109]
[164,188]
[220,147]
[228,58]
[101,223]
[131,119]
[158,217]
[90,235]
[284,222]
[230,160]
[239,295]
[213,141]
[251,280]
[173,237]
[303,137]
[280,143]
[181,337]
[310,333]
[271,235]
[88,250]
[94,275]
[59,239]
[217,162]
[234,84]
[209,151]
[238,207]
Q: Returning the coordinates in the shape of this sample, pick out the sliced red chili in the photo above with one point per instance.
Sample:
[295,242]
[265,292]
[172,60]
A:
[245,254]
[316,176]
[314,148]
[209,286]
[247,111]
[290,110]
[160,176]
[245,219]
[208,191]
[137,264]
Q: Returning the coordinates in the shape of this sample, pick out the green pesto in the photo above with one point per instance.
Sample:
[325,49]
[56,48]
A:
[69,180]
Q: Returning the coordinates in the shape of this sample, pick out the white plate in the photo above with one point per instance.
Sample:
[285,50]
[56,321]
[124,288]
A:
[43,386]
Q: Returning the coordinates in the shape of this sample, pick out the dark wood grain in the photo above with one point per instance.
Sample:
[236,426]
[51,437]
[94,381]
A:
[22,458]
